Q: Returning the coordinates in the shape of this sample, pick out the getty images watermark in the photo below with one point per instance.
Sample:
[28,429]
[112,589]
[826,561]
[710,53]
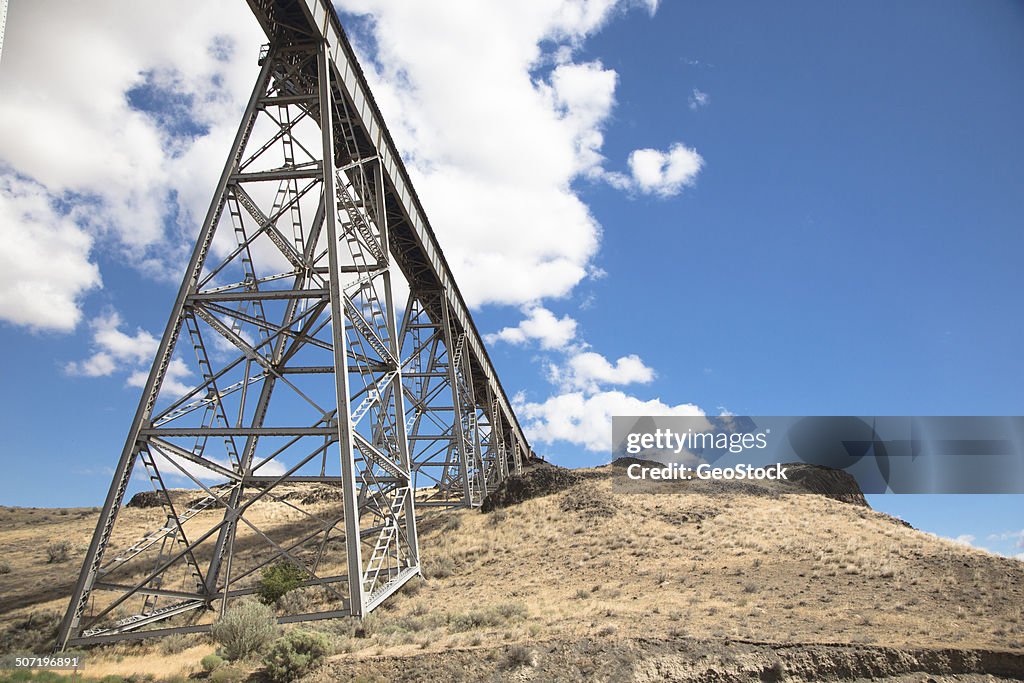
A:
[668,441]
[875,454]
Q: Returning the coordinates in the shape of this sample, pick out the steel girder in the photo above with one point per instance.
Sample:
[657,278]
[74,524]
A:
[414,246]
[287,309]
[312,213]
[442,415]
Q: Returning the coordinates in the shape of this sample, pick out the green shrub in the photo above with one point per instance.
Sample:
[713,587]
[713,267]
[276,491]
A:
[295,654]
[210,662]
[278,579]
[245,629]
[5,568]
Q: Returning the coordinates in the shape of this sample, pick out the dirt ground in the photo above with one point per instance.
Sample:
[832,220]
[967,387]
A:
[680,583]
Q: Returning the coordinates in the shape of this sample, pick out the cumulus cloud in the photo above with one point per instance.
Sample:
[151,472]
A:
[586,420]
[659,173]
[540,324]
[129,131]
[45,267]
[590,370]
[494,141]
[117,352]
[581,408]
[172,385]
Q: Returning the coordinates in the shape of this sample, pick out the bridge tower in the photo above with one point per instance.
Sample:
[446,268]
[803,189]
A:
[321,412]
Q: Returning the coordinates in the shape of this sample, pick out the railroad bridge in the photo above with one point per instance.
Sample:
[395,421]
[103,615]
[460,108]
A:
[332,348]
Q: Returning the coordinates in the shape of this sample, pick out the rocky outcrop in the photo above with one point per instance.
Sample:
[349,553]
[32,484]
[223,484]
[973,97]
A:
[535,481]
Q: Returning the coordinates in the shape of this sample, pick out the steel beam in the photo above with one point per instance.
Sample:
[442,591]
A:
[292,339]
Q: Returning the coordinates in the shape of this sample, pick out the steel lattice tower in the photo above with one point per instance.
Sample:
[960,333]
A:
[307,378]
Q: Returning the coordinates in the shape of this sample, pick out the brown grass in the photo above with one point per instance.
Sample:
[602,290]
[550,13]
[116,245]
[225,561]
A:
[781,569]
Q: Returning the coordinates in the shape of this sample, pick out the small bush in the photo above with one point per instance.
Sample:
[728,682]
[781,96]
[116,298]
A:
[210,662]
[475,619]
[277,580]
[245,629]
[295,654]
[519,656]
[173,644]
[5,568]
[35,632]
[511,610]
[227,674]
[438,567]
[367,626]
[497,517]
[58,551]
[489,617]
[452,523]
[297,602]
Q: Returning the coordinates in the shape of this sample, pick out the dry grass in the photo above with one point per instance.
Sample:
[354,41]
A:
[782,569]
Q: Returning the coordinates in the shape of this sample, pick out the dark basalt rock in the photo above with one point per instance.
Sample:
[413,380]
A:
[828,482]
[535,481]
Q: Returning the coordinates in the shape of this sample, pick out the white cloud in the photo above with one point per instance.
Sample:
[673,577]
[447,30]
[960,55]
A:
[664,174]
[132,128]
[588,370]
[118,352]
[586,421]
[115,350]
[583,95]
[698,99]
[965,539]
[494,141]
[582,410]
[45,267]
[540,324]
[171,466]
[1016,536]
[176,371]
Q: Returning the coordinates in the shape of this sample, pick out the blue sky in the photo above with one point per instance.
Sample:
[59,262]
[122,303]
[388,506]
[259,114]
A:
[799,208]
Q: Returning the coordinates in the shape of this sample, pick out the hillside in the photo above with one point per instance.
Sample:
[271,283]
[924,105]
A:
[688,582]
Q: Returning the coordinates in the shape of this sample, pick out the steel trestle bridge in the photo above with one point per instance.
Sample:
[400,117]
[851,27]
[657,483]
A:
[288,323]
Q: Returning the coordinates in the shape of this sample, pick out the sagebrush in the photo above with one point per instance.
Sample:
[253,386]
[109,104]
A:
[295,654]
[246,629]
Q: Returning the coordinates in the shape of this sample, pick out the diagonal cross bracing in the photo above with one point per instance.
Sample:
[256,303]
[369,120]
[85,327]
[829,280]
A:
[336,419]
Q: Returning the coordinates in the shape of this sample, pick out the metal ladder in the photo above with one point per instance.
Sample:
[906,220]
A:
[382,549]
[169,539]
